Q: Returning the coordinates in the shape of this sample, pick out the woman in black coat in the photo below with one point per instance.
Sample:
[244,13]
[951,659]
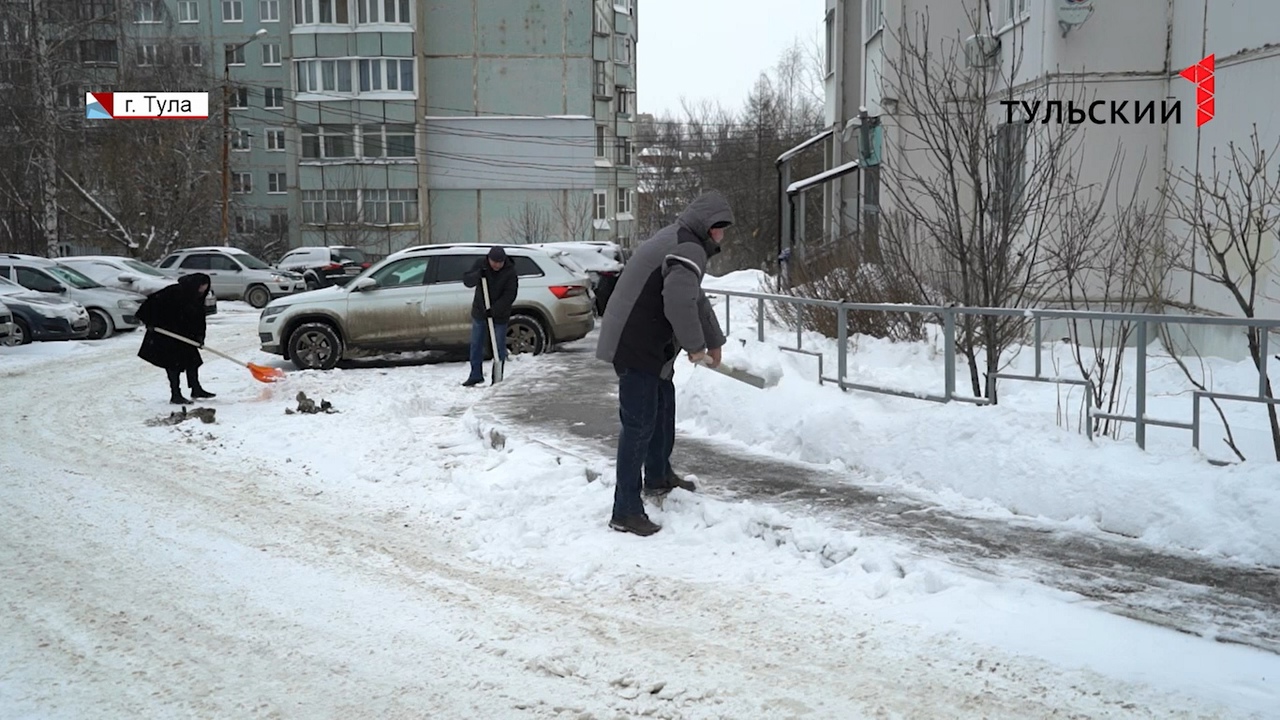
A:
[179,309]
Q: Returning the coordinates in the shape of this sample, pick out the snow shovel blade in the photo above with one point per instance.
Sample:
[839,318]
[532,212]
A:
[741,376]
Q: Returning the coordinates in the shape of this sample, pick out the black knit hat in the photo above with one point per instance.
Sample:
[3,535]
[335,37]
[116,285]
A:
[497,254]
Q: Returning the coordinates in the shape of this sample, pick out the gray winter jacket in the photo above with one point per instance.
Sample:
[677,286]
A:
[657,307]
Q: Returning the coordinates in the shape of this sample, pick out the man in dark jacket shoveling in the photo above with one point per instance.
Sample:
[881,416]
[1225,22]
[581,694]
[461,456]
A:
[656,310]
[504,283]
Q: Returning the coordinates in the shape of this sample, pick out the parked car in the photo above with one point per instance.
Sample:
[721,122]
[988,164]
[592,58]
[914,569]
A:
[234,274]
[603,262]
[414,300]
[110,310]
[325,265]
[6,324]
[37,316]
[128,274]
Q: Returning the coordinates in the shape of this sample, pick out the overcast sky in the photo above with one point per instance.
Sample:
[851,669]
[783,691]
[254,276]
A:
[713,48]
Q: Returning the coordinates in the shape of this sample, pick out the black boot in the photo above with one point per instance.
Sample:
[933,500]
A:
[637,524]
[667,484]
[193,382]
[175,388]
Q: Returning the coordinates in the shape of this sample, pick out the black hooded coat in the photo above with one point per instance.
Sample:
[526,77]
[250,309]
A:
[179,309]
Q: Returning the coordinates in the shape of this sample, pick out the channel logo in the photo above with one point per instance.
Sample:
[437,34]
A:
[146,106]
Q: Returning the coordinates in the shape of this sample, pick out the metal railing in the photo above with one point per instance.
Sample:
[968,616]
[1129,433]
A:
[948,315]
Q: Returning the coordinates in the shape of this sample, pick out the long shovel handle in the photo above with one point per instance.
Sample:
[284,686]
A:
[497,370]
[189,341]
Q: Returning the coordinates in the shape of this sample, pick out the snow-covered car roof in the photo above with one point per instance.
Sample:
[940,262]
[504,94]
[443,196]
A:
[593,256]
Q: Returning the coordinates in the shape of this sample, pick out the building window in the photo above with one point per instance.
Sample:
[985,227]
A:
[602,79]
[241,141]
[327,142]
[1013,10]
[602,141]
[622,49]
[233,54]
[603,26]
[232,11]
[624,152]
[313,207]
[874,17]
[321,12]
[279,222]
[275,139]
[601,205]
[389,207]
[246,224]
[188,11]
[624,6]
[148,55]
[383,12]
[340,206]
[277,183]
[95,9]
[99,52]
[146,12]
[624,201]
[386,74]
[269,10]
[271,54]
[1010,170]
[192,55]
[387,141]
[274,98]
[241,183]
[624,99]
[829,52]
[239,98]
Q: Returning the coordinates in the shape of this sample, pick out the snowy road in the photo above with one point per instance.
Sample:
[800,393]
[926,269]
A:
[575,399]
[389,561]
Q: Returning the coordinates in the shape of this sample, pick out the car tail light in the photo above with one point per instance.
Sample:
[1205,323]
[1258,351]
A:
[333,266]
[365,266]
[567,291]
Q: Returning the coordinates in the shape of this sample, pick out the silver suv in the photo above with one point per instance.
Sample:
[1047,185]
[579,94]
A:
[414,300]
[109,309]
[234,274]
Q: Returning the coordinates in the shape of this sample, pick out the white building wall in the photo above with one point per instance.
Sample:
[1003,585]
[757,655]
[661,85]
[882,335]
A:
[1129,51]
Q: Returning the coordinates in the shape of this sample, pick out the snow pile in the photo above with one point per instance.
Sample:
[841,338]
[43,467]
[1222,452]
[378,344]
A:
[1012,459]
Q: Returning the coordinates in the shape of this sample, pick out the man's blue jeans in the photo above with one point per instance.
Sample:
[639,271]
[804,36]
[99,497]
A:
[647,409]
[480,341]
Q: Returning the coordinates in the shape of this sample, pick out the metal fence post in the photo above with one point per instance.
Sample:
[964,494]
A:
[1195,420]
[1263,333]
[1140,414]
[1039,342]
[760,319]
[842,336]
[949,350]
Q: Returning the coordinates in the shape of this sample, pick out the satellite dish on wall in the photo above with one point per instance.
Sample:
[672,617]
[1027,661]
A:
[1073,13]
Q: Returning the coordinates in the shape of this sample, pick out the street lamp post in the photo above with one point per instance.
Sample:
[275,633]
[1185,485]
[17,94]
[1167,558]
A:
[226,133]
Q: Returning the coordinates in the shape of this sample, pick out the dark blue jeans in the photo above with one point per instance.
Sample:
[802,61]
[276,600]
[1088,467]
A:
[480,341]
[647,409]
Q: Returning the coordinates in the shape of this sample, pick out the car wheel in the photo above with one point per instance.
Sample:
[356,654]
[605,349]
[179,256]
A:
[21,333]
[525,335]
[257,296]
[315,346]
[313,283]
[100,325]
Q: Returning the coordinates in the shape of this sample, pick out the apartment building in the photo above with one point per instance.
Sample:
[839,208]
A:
[389,123]
[1125,55]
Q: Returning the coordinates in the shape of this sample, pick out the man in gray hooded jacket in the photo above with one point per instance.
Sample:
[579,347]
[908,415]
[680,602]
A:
[658,309]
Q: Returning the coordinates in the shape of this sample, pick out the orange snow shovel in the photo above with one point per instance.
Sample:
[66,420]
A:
[261,373]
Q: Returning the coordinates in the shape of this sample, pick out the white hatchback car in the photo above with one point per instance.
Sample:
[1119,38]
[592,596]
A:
[110,310]
[414,300]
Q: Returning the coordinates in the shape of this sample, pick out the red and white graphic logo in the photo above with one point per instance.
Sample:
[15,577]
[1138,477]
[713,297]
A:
[1202,75]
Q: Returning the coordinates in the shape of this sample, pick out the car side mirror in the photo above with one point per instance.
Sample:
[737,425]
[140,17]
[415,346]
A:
[364,284]
[59,288]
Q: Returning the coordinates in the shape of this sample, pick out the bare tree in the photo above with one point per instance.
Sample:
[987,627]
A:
[530,224]
[575,215]
[969,192]
[1232,218]
[1117,261]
